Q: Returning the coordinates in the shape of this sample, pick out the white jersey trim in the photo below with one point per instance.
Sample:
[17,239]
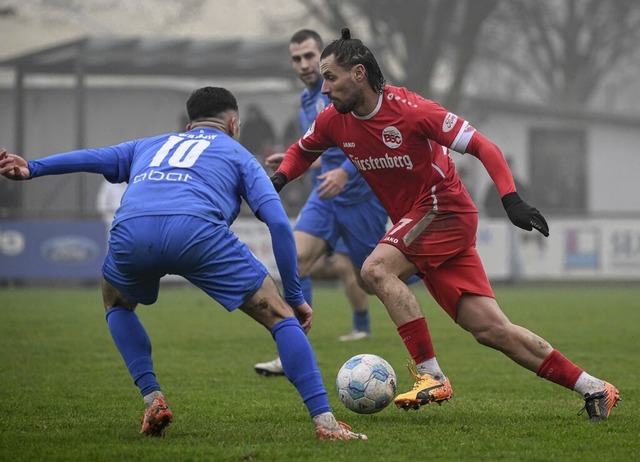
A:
[461,141]
[308,150]
[373,113]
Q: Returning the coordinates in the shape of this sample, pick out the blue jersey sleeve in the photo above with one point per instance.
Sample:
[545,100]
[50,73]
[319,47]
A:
[349,167]
[284,249]
[265,203]
[257,186]
[112,162]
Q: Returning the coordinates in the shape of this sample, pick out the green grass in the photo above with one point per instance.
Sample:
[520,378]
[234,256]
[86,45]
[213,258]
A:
[66,395]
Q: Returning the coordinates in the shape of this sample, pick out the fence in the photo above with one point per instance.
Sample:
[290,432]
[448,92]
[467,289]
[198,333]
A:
[577,249]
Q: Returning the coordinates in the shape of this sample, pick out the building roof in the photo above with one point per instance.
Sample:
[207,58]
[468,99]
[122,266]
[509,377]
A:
[158,57]
[146,57]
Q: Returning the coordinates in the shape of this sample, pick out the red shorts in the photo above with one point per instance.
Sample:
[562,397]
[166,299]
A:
[442,245]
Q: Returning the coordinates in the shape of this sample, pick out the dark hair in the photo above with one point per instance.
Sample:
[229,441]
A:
[209,102]
[306,34]
[348,52]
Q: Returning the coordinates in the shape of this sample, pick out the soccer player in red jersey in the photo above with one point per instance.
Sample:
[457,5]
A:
[400,142]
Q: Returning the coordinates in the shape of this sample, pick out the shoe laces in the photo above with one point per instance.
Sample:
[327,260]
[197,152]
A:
[413,370]
[594,400]
[588,399]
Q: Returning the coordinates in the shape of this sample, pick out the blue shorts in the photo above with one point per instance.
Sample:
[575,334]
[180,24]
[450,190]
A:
[341,247]
[143,249]
[359,225]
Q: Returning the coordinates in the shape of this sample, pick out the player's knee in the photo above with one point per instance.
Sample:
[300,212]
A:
[362,284]
[121,302]
[494,336]
[113,297]
[305,264]
[372,273]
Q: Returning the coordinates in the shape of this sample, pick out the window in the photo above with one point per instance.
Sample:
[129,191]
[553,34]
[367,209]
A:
[558,171]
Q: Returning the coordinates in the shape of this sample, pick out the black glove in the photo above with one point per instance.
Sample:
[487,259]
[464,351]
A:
[279,180]
[523,215]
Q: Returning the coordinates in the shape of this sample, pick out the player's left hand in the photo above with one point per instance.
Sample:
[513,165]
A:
[524,215]
[332,183]
[273,161]
[304,313]
[13,166]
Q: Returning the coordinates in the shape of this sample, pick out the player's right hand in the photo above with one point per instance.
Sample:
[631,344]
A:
[274,160]
[304,313]
[13,166]
[278,180]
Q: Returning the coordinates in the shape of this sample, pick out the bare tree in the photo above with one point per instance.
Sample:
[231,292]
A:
[426,45]
[562,50]
[558,51]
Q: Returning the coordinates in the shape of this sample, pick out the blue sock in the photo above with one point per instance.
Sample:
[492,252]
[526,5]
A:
[305,283]
[134,345]
[299,364]
[361,321]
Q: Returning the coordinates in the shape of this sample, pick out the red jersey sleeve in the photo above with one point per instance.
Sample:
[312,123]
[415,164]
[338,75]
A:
[449,130]
[442,126]
[307,149]
[493,161]
[296,161]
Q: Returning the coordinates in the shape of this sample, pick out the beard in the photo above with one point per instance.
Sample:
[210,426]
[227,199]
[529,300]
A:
[350,101]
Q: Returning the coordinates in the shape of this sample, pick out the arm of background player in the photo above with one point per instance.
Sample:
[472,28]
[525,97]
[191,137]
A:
[332,182]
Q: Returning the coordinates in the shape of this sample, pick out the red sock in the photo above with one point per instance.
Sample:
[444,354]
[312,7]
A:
[417,339]
[558,369]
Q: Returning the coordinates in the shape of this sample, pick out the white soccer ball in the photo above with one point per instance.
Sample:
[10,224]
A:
[366,384]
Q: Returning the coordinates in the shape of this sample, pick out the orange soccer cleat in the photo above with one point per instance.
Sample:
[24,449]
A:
[598,405]
[343,432]
[426,390]
[156,418]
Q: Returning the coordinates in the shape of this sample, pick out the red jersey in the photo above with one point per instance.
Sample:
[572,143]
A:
[402,151]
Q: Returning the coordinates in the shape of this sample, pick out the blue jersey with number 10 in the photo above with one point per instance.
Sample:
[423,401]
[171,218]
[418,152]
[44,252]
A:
[199,164]
[203,172]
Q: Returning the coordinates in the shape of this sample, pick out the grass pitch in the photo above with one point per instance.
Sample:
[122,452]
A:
[65,393]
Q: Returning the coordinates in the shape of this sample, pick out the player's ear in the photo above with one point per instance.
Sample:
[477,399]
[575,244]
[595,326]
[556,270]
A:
[359,72]
[188,127]
[234,127]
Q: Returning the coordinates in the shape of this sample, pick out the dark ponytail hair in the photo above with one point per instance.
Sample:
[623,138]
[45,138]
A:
[348,52]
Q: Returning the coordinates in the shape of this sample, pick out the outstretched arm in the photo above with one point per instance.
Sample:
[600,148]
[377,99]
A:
[284,250]
[13,166]
[296,161]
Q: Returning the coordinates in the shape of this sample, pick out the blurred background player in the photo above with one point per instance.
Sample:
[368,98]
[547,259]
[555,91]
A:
[435,221]
[341,216]
[184,191]
[108,200]
[258,135]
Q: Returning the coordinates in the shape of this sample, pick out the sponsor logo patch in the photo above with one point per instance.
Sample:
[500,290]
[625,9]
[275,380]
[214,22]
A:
[449,122]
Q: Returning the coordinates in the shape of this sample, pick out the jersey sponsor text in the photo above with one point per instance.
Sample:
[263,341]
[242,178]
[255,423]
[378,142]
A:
[376,163]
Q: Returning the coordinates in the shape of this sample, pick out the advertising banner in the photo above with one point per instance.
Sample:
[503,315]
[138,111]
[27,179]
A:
[51,249]
[579,249]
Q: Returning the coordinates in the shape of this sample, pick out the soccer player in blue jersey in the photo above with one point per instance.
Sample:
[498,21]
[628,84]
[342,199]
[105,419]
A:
[184,191]
[341,215]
